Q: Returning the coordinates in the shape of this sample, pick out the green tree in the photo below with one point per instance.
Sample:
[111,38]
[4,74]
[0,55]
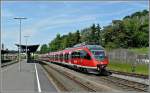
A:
[44,49]
[77,37]
[99,34]
[131,31]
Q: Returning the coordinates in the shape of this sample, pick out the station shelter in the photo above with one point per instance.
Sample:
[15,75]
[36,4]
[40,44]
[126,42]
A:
[31,49]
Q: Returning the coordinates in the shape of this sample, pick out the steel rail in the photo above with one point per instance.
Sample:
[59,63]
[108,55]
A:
[73,78]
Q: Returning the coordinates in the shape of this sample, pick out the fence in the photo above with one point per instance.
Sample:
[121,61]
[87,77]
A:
[124,55]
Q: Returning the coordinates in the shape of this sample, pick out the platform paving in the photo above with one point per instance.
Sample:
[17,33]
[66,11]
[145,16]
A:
[14,81]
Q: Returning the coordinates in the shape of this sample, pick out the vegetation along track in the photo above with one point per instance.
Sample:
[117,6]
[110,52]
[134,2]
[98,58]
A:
[61,86]
[130,74]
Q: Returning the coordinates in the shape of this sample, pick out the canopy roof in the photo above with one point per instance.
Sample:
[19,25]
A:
[4,51]
[30,48]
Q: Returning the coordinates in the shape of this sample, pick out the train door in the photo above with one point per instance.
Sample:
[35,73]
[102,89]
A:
[78,59]
[69,58]
[85,58]
[72,57]
[75,57]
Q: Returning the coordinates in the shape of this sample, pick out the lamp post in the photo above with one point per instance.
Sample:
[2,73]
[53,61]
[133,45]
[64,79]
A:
[20,20]
[26,47]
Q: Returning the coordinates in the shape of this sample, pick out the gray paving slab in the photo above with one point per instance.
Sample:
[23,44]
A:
[13,80]
[25,81]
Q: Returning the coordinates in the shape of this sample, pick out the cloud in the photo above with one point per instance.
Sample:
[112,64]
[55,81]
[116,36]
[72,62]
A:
[55,22]
[75,14]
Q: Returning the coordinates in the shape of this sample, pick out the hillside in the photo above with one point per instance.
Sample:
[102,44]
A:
[130,32]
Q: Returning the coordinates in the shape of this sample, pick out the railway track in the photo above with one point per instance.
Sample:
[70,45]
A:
[126,84]
[63,87]
[122,84]
[130,74]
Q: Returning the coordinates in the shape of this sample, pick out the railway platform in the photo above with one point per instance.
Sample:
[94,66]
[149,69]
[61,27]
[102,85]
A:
[31,79]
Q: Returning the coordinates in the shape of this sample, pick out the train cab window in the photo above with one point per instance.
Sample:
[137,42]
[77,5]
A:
[99,55]
[85,55]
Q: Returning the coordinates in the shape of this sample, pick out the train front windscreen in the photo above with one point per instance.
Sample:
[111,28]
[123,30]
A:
[97,51]
[99,55]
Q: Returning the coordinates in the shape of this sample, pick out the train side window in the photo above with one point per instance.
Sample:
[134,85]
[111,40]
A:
[63,56]
[85,55]
[59,56]
[72,55]
[53,57]
[75,55]
[78,54]
[67,56]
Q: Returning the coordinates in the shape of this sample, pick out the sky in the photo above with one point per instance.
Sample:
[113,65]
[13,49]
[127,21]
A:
[47,18]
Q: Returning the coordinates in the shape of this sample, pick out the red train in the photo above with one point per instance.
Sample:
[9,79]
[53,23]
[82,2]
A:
[89,58]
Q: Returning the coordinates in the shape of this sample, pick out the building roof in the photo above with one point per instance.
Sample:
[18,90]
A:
[30,48]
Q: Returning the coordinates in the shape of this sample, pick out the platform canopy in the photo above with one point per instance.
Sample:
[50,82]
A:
[30,48]
[4,51]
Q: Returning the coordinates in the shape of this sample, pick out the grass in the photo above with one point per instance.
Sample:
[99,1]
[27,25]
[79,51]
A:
[127,67]
[143,50]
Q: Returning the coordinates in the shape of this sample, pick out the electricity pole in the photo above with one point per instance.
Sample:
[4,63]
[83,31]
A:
[26,47]
[20,20]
